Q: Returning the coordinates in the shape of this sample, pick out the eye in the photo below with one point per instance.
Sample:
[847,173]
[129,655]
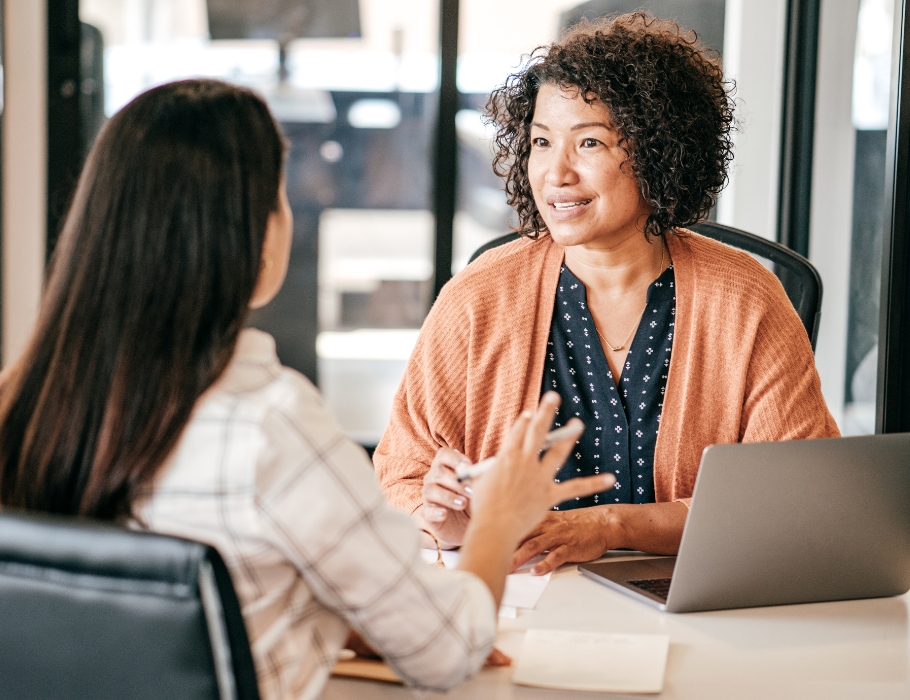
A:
[540,142]
[590,143]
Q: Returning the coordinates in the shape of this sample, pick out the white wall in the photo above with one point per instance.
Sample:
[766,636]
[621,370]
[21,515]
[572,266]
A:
[24,170]
[754,41]
[832,191]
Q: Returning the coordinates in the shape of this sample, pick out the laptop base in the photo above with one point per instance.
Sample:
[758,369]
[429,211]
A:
[636,577]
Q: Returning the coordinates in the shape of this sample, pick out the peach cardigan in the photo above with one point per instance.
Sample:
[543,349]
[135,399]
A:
[741,369]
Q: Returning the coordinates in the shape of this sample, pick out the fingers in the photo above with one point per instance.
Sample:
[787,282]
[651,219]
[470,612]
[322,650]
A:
[536,532]
[447,459]
[434,516]
[556,456]
[435,494]
[440,485]
[515,439]
[450,482]
[359,646]
[529,550]
[582,486]
[541,422]
[497,658]
[557,557]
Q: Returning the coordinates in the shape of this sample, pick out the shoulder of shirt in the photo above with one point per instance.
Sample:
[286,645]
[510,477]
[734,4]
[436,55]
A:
[498,270]
[255,383]
[731,271]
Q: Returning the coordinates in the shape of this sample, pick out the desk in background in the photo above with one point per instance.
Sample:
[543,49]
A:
[825,651]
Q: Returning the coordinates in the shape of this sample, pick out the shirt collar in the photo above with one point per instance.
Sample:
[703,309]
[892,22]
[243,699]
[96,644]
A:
[255,345]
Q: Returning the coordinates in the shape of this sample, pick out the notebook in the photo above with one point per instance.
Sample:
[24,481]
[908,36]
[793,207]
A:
[593,661]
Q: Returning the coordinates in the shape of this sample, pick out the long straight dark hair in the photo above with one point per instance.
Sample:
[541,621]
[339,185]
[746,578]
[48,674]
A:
[147,292]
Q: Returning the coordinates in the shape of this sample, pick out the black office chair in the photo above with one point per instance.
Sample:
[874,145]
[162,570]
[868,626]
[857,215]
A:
[800,279]
[91,611]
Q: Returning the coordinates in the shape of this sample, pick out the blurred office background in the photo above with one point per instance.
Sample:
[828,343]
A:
[360,87]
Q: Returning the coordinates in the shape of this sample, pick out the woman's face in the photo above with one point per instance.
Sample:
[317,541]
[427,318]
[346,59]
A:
[574,169]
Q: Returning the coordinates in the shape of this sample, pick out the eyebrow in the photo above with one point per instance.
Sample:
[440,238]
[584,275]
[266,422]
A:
[577,127]
[585,125]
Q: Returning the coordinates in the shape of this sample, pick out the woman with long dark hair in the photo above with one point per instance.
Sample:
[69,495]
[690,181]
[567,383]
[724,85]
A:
[142,399]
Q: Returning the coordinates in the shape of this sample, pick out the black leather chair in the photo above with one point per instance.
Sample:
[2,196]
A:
[91,611]
[800,279]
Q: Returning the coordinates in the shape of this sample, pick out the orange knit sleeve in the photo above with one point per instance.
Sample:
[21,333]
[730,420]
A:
[783,395]
[428,411]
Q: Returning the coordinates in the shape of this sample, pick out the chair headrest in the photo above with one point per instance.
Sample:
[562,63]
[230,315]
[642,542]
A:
[102,549]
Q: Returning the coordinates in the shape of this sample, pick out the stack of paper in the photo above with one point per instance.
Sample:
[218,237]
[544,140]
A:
[522,589]
[593,661]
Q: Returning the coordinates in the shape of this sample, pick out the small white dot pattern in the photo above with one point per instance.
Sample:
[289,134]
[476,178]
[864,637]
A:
[621,420]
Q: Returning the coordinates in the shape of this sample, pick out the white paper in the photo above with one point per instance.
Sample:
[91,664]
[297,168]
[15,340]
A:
[593,661]
[507,612]
[522,589]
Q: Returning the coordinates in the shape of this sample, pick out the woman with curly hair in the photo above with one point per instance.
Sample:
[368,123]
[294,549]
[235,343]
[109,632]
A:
[611,141]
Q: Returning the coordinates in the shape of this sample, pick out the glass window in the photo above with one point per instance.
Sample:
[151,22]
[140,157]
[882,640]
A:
[354,85]
[870,106]
[854,82]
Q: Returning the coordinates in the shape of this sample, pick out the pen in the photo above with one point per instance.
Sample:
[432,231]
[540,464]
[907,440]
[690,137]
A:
[472,471]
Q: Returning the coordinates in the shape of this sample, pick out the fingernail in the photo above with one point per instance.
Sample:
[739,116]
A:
[458,501]
[525,414]
[436,514]
[535,571]
[468,490]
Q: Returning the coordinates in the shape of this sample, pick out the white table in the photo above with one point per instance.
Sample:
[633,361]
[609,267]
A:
[825,651]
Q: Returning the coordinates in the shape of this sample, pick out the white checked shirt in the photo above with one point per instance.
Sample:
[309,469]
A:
[263,473]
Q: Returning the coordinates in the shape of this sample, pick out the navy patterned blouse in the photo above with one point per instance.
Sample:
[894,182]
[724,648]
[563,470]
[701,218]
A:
[621,422]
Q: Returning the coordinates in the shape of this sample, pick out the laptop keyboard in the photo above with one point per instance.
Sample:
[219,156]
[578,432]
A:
[659,587]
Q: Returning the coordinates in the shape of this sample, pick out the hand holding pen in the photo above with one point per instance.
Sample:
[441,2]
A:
[571,430]
[446,508]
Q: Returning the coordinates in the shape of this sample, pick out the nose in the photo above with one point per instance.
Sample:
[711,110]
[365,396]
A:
[561,169]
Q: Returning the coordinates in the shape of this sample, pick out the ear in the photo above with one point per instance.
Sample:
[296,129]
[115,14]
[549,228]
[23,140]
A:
[276,250]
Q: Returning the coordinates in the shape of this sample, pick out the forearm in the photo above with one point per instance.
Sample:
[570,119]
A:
[487,555]
[651,527]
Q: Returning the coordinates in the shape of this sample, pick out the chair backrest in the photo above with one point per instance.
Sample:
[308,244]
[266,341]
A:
[800,279]
[94,611]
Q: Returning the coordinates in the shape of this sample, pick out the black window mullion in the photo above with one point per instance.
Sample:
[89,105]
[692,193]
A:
[445,160]
[798,133]
[64,135]
[893,396]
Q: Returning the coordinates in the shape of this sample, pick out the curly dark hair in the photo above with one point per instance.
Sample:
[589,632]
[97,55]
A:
[667,97]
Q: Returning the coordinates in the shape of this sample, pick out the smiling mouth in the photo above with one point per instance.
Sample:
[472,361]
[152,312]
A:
[563,206]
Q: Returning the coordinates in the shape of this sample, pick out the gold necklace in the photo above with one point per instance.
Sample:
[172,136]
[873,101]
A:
[619,347]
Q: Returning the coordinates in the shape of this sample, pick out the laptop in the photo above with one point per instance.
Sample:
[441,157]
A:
[802,521]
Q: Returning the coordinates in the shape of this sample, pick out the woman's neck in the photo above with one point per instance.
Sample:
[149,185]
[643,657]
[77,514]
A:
[620,267]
